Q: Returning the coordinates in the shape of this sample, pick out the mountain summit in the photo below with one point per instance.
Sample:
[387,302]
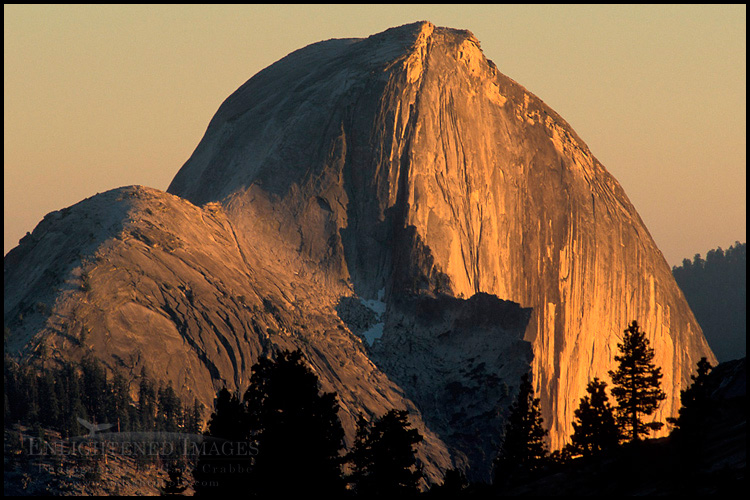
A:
[422,226]
[407,161]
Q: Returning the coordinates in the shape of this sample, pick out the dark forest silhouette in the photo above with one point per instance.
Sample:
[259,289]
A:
[295,428]
[295,439]
[716,290]
[282,436]
[57,398]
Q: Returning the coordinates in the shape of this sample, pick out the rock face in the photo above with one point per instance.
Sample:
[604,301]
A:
[386,188]
[142,278]
[459,362]
[407,161]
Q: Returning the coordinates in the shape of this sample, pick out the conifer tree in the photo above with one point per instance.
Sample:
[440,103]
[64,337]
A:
[690,429]
[229,420]
[193,415]
[31,393]
[49,407]
[170,415]
[696,405]
[524,449]
[147,403]
[454,485]
[383,457]
[73,407]
[223,467]
[295,428]
[594,427]
[358,455]
[636,385]
[12,382]
[94,388]
[119,402]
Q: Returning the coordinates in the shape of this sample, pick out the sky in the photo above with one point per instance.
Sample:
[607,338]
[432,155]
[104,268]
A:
[103,96]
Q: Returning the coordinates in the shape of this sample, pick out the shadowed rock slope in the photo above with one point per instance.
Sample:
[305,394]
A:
[142,278]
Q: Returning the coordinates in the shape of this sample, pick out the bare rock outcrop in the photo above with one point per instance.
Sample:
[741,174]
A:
[163,284]
[460,362]
[407,161]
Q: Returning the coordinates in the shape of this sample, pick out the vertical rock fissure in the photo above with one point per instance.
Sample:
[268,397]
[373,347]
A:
[401,208]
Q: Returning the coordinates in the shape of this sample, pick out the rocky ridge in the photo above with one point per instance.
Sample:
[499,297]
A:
[169,290]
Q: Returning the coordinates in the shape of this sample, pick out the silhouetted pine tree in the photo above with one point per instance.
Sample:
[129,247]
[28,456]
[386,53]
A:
[594,427]
[13,380]
[31,390]
[50,407]
[296,430]
[224,464]
[147,403]
[170,417]
[383,458]
[119,403]
[636,385]
[72,407]
[94,389]
[358,455]
[690,430]
[193,416]
[696,407]
[524,449]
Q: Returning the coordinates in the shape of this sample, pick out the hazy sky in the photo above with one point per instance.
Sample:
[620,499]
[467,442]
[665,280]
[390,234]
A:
[98,97]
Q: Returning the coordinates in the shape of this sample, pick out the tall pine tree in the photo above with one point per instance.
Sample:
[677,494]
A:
[636,385]
[383,458]
[223,466]
[690,429]
[696,405]
[594,427]
[524,449]
[193,416]
[296,430]
[147,402]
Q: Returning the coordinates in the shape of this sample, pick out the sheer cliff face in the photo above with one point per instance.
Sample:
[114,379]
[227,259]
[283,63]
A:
[407,161]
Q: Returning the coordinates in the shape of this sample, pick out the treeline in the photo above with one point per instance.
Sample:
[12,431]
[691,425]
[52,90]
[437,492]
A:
[598,426]
[716,290]
[296,441]
[601,427]
[57,398]
[283,438]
